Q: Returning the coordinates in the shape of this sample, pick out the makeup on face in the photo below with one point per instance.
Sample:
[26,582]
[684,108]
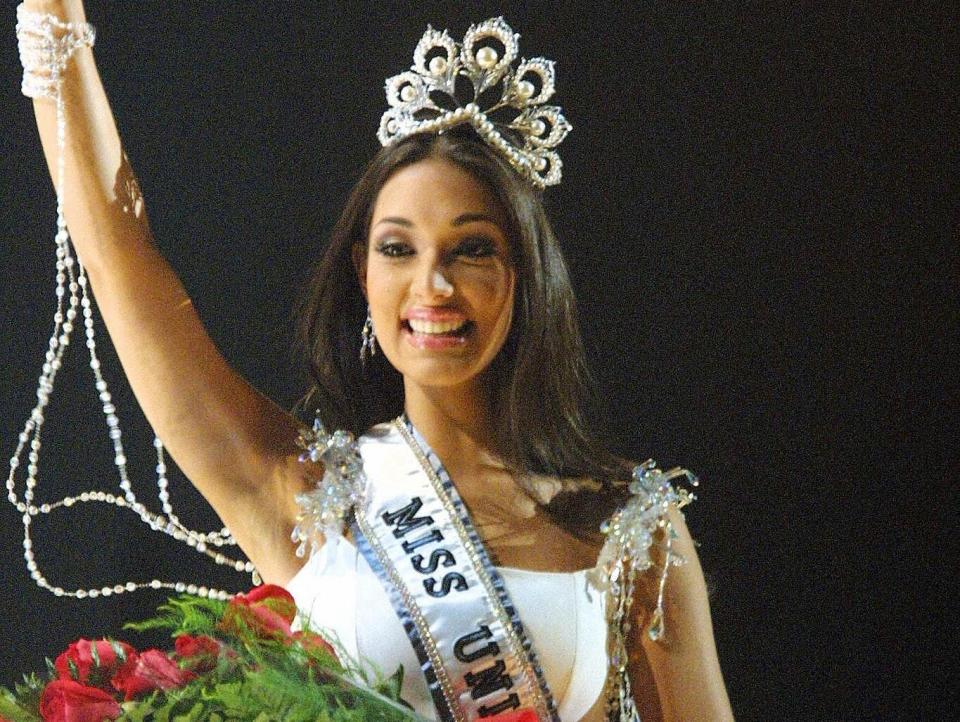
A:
[438,273]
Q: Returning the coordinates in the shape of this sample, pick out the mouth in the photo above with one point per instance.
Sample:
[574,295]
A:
[436,334]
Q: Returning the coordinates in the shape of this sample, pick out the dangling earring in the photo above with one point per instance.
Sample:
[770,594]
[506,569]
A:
[368,338]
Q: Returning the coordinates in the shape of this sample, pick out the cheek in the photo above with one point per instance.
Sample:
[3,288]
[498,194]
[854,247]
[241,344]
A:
[498,293]
[381,284]
[382,297]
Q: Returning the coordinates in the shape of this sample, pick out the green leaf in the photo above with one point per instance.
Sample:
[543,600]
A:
[184,615]
[194,714]
[141,710]
[95,653]
[118,650]
[27,692]
[12,710]
[392,685]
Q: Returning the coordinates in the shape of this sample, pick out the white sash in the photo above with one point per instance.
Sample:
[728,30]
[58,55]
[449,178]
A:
[418,538]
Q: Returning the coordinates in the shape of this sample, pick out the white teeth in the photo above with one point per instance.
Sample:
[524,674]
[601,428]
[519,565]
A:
[434,326]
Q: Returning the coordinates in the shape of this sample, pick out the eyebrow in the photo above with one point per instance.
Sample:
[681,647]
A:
[460,220]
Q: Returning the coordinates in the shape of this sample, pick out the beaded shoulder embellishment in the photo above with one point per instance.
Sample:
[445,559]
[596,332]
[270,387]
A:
[324,510]
[630,534]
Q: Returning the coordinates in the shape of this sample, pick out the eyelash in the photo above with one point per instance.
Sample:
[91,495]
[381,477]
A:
[478,247]
[392,249]
[473,248]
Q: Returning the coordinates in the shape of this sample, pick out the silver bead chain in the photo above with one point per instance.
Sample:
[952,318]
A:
[46,45]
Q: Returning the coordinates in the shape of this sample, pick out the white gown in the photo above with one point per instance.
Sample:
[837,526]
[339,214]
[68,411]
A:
[561,613]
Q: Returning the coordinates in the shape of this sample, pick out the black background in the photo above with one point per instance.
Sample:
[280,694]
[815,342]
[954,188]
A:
[760,214]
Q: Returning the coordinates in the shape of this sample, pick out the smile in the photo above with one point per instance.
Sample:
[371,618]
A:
[436,334]
[435,327]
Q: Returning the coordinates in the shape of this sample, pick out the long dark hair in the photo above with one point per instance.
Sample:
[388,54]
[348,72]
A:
[540,386]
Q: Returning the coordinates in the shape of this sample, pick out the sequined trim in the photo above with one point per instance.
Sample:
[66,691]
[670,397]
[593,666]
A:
[630,533]
[414,624]
[493,583]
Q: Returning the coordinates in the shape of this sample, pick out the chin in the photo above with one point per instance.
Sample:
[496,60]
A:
[438,370]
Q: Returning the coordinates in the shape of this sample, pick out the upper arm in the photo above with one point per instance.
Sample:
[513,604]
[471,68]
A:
[260,509]
[682,665]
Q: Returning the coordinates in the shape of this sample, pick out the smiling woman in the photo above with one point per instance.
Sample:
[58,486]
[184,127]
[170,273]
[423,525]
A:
[472,500]
[447,252]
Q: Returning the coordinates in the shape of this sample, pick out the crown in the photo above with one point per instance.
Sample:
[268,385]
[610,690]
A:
[439,61]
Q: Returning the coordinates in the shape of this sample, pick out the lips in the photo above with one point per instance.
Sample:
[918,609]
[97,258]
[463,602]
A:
[432,328]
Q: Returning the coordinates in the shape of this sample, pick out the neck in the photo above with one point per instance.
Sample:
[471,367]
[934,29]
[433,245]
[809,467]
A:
[456,423]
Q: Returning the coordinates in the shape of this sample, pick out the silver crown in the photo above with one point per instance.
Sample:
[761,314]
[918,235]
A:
[437,63]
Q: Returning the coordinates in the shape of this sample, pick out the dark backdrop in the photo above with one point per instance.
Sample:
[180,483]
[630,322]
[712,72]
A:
[759,212]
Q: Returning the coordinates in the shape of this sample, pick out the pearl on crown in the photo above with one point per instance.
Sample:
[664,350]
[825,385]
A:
[525,89]
[487,57]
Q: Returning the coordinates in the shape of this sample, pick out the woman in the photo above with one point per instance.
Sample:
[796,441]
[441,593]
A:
[471,335]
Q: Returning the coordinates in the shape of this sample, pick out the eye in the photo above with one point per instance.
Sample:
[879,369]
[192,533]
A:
[477,247]
[393,248]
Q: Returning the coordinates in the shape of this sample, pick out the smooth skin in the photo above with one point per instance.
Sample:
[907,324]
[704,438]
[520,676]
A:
[437,242]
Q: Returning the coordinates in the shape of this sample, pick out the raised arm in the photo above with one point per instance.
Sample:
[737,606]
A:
[234,444]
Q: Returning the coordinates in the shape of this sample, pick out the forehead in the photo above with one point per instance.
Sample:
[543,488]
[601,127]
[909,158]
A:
[434,192]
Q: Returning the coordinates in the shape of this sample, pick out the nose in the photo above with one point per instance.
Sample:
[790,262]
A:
[431,281]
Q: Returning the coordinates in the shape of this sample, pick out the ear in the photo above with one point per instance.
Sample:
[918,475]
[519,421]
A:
[359,253]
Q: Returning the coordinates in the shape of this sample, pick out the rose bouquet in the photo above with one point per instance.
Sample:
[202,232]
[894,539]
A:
[232,660]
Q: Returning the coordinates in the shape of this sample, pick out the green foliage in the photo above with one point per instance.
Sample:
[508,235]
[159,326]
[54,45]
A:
[267,694]
[21,704]
[184,615]
[255,679]
[13,710]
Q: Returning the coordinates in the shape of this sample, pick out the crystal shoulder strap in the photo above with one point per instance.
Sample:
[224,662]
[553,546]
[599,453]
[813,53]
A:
[640,524]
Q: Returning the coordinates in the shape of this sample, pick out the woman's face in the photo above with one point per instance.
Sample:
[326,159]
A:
[438,275]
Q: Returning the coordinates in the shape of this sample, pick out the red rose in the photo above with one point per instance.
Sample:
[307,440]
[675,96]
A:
[149,671]
[84,657]
[65,700]
[519,715]
[187,645]
[271,593]
[266,611]
[313,642]
[200,653]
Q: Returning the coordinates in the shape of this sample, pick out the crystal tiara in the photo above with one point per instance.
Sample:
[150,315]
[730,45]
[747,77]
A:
[439,61]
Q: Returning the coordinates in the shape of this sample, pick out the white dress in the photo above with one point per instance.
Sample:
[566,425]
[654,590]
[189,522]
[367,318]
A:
[561,613]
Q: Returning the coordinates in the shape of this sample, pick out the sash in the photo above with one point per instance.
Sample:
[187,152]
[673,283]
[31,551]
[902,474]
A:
[416,535]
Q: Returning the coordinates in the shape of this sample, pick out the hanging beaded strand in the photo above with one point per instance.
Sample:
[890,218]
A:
[46,45]
[630,533]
